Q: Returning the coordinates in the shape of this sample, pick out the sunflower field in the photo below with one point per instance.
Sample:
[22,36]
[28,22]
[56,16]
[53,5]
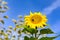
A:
[33,26]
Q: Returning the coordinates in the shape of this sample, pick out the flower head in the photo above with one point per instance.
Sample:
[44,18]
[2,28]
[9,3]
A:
[35,19]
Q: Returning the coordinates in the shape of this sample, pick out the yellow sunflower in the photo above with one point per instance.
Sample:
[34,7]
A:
[35,20]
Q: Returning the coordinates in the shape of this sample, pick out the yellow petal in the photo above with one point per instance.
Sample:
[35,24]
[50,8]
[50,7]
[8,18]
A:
[31,13]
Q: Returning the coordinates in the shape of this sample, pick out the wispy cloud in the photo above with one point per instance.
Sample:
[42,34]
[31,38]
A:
[56,27]
[50,8]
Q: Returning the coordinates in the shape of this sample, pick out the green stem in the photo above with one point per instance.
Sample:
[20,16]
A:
[39,35]
[32,35]
[36,36]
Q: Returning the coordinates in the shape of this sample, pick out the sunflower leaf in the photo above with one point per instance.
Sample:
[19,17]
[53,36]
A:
[47,38]
[32,38]
[46,31]
[26,38]
[30,30]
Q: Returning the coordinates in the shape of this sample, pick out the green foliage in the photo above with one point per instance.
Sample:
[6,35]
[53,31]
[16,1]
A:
[32,38]
[47,38]
[6,17]
[2,21]
[30,30]
[46,31]
[26,38]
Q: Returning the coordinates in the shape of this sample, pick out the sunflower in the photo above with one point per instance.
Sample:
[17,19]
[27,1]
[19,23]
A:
[35,20]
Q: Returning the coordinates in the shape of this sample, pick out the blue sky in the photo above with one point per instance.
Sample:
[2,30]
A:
[22,7]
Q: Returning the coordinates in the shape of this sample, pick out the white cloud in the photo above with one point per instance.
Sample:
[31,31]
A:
[50,8]
[56,27]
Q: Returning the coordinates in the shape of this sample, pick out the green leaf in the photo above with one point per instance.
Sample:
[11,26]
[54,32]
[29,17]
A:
[26,38]
[47,38]
[24,30]
[46,31]
[5,16]
[32,38]
[2,21]
[30,30]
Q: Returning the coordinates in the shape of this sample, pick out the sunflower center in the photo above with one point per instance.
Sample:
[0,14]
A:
[36,19]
